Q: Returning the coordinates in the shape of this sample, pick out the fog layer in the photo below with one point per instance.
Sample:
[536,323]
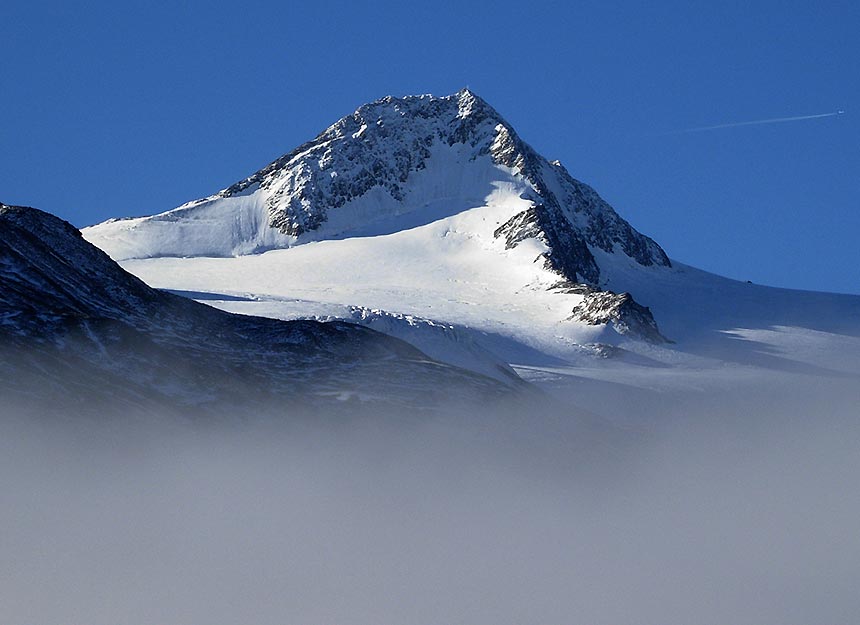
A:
[719,517]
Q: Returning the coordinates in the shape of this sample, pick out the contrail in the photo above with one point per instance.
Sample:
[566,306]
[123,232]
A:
[774,120]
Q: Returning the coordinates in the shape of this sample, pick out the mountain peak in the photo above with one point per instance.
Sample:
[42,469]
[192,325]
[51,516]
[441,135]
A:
[393,157]
[469,101]
[443,109]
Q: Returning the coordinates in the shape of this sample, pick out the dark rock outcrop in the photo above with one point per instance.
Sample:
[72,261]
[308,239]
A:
[618,310]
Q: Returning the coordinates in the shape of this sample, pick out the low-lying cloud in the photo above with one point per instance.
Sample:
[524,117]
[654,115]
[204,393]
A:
[496,519]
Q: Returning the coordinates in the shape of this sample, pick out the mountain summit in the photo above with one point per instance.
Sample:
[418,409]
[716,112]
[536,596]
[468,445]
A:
[394,164]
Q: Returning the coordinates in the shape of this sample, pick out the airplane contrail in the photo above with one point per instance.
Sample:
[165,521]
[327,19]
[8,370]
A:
[774,120]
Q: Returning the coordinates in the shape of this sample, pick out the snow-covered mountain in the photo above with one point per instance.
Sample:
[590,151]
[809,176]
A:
[406,158]
[77,330]
[430,219]
[401,163]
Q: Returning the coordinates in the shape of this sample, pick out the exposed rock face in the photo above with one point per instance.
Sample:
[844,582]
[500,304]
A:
[619,310]
[568,253]
[383,143]
[76,330]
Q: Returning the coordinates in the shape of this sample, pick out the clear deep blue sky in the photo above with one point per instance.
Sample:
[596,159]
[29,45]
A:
[114,109]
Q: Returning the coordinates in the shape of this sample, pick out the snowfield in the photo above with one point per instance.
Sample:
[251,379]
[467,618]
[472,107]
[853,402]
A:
[468,304]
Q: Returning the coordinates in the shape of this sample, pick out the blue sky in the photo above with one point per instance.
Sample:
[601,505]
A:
[114,109]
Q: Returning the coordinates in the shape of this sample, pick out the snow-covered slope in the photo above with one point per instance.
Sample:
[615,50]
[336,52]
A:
[518,316]
[732,340]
